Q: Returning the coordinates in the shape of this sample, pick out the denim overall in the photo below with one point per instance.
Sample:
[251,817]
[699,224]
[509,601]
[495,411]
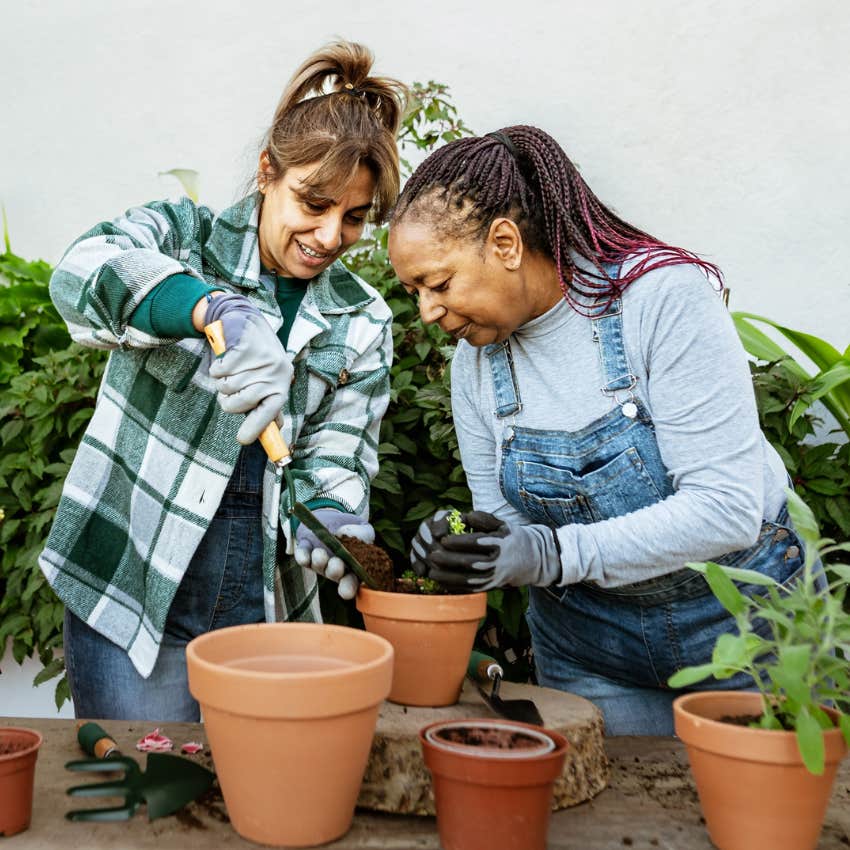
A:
[222,586]
[617,646]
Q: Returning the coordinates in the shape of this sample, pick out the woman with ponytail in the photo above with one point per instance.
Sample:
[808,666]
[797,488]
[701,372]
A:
[171,521]
[605,416]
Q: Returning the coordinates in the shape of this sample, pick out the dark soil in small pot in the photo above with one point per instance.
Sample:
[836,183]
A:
[495,736]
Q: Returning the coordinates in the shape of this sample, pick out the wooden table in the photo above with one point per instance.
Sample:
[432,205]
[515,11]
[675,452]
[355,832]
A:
[651,802]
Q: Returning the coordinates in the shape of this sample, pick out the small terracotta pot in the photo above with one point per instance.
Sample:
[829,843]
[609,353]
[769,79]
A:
[432,637]
[18,753]
[290,712]
[754,789]
[488,797]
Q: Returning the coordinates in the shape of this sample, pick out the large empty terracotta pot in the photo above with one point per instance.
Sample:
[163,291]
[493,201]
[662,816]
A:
[18,753]
[290,712]
[754,789]
[493,782]
[432,637]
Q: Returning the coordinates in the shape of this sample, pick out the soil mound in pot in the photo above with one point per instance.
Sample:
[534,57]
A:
[374,560]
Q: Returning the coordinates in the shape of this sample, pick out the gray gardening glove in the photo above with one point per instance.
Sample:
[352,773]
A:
[492,554]
[310,551]
[254,374]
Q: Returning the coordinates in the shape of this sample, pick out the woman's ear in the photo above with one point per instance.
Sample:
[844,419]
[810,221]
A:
[506,242]
[264,171]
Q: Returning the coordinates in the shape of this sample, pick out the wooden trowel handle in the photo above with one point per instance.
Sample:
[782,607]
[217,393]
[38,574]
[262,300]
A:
[271,439]
[95,741]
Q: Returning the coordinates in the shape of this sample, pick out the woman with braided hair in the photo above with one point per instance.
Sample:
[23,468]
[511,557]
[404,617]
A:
[172,521]
[605,416]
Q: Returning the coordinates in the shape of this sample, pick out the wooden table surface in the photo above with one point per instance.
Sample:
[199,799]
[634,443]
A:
[651,802]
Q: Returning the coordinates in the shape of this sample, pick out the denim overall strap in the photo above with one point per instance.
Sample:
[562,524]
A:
[505,389]
[608,332]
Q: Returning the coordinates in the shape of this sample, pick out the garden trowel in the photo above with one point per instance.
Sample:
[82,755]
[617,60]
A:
[483,670]
[168,783]
[278,453]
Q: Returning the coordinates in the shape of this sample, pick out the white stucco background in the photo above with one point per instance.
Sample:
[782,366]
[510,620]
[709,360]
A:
[715,125]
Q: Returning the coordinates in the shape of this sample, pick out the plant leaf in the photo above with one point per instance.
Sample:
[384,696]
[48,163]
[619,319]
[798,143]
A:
[810,741]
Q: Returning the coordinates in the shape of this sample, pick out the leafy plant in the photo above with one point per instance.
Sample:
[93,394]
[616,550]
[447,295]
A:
[48,386]
[820,472]
[794,660]
[831,384]
[456,523]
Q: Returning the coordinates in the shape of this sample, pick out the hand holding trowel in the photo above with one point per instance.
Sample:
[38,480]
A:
[278,453]
[484,670]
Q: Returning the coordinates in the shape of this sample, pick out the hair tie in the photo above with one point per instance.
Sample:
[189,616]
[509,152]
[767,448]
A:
[351,89]
[505,140]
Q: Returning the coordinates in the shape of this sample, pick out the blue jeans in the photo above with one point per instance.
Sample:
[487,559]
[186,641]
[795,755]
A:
[222,586]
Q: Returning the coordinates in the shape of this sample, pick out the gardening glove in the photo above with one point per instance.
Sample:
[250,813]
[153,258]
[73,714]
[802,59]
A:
[491,554]
[254,374]
[311,552]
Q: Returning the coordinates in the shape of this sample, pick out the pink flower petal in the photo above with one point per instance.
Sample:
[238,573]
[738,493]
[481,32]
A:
[192,747]
[153,742]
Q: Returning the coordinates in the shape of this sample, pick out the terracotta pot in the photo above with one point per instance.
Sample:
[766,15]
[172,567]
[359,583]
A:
[290,712]
[754,789]
[488,797]
[18,752]
[432,637]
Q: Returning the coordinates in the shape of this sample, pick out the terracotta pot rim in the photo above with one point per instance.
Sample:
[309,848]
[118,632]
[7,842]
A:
[38,740]
[775,746]
[547,743]
[456,607]
[196,646]
[681,706]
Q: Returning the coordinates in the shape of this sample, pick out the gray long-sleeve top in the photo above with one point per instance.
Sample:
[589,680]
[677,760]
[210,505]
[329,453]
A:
[693,378]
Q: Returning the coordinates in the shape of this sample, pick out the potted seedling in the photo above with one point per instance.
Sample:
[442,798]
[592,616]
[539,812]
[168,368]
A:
[431,630]
[764,761]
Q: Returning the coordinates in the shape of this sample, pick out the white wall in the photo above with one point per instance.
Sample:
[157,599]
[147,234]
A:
[716,125]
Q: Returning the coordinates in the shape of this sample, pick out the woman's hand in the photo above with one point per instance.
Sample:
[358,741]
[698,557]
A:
[492,554]
[310,552]
[254,374]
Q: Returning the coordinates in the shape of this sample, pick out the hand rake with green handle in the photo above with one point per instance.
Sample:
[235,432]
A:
[168,783]
[278,453]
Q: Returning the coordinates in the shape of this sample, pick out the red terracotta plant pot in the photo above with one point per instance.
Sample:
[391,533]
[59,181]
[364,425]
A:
[18,753]
[432,637]
[290,712]
[487,796]
[754,789]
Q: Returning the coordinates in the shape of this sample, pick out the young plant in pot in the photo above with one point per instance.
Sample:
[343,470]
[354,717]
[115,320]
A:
[431,630]
[764,761]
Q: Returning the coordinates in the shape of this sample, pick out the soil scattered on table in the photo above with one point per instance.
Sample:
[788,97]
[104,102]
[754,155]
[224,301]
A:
[210,805]
[491,738]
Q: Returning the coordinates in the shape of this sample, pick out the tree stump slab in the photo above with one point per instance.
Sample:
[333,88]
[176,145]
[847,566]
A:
[396,779]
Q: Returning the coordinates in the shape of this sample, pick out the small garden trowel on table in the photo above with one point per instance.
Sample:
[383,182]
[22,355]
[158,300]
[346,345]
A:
[483,670]
[278,453]
[169,782]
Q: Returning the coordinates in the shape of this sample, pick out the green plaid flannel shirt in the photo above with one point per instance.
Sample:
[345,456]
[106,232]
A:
[158,453]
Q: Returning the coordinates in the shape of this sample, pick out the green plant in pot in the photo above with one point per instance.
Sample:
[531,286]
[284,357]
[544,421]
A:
[764,761]
[431,631]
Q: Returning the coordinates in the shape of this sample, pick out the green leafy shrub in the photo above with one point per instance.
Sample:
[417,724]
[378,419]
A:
[48,386]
